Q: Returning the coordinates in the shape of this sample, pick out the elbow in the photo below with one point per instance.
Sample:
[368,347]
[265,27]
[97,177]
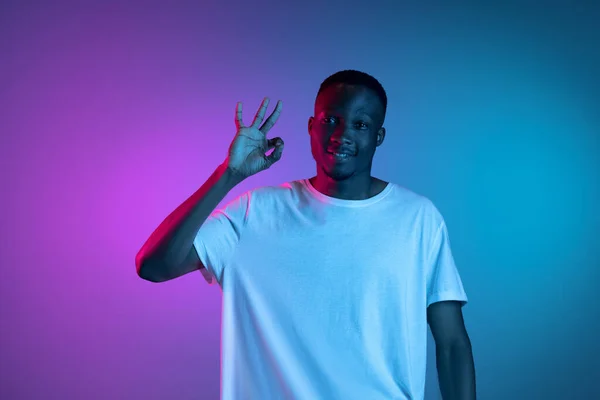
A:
[148,270]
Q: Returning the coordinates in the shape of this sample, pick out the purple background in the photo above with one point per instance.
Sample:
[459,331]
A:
[112,114]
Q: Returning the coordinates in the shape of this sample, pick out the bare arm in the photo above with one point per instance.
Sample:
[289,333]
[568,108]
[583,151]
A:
[456,372]
[169,252]
[454,355]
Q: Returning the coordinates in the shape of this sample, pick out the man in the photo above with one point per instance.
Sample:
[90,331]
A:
[328,283]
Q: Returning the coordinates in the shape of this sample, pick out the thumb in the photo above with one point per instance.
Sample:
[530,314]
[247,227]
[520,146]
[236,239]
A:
[276,154]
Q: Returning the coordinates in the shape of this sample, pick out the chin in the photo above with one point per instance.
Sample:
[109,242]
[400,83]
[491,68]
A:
[337,174]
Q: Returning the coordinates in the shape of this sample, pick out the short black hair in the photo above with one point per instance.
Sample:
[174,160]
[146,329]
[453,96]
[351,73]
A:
[354,77]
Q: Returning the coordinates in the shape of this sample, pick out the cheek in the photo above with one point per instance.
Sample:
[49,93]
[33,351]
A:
[315,147]
[318,140]
[366,151]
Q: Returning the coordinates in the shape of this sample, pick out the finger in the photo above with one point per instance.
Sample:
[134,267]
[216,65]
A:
[276,154]
[260,114]
[271,143]
[272,118]
[238,116]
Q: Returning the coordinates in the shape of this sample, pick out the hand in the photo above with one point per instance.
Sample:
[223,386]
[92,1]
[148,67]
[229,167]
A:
[247,151]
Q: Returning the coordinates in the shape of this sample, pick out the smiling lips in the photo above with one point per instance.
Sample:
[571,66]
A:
[340,151]
[340,154]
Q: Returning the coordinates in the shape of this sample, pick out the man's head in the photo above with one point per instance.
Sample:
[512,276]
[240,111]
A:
[349,113]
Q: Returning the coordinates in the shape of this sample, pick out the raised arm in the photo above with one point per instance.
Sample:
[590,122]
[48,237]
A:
[168,253]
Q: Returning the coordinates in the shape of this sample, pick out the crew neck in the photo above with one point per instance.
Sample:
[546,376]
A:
[346,203]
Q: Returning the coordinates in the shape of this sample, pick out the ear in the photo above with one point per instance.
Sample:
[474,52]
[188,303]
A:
[310,122]
[380,136]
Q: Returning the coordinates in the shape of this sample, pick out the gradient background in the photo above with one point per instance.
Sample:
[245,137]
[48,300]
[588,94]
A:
[111,115]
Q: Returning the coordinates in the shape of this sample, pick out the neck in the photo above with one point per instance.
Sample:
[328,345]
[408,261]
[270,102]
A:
[359,187]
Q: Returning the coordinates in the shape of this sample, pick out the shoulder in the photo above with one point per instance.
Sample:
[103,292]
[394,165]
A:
[274,191]
[407,197]
[417,206]
[271,195]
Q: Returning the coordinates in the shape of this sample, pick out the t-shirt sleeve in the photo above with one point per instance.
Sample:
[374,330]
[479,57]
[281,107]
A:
[443,279]
[218,237]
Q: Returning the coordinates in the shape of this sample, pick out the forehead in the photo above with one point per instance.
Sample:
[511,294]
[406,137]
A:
[348,98]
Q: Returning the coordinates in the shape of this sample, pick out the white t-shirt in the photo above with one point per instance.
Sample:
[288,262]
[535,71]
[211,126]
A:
[326,298]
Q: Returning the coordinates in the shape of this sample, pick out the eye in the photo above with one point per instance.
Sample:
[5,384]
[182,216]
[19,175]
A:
[362,123]
[328,120]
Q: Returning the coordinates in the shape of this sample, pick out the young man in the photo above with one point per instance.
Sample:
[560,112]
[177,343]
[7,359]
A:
[328,283]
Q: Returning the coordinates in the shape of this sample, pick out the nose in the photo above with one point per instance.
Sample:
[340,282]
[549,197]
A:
[341,135]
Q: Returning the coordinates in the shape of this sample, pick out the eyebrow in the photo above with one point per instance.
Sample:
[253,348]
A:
[358,112]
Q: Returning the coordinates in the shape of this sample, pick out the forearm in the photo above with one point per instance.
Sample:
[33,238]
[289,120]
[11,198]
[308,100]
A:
[172,240]
[456,372]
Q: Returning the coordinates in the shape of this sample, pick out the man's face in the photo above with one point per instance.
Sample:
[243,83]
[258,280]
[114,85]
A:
[347,120]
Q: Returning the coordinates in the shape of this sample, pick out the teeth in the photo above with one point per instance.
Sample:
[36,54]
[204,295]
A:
[341,155]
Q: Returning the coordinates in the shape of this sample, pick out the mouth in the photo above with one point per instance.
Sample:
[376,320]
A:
[339,156]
